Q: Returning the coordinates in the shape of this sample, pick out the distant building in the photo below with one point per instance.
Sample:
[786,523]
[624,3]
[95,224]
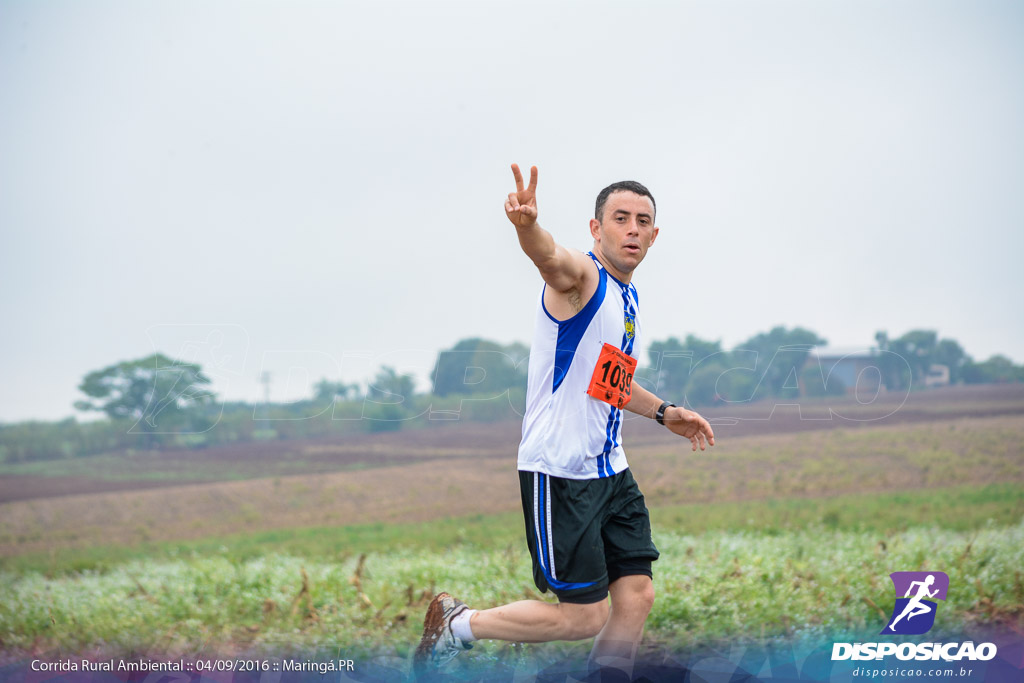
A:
[856,368]
[859,369]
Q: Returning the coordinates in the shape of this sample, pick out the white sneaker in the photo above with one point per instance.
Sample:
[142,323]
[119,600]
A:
[438,644]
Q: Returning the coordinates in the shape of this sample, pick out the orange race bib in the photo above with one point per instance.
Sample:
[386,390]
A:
[612,381]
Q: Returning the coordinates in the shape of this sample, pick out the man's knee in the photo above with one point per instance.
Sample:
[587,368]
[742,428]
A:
[645,597]
[633,595]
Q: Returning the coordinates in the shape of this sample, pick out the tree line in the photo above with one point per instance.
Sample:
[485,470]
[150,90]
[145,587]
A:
[158,402]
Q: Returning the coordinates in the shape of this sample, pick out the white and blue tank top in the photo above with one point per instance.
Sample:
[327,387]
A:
[566,432]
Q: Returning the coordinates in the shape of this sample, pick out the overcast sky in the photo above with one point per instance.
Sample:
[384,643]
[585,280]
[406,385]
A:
[315,189]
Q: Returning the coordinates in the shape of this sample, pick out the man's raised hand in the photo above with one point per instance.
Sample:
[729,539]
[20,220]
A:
[521,205]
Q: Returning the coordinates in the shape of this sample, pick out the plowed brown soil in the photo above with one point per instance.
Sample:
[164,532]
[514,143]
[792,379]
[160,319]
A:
[942,439]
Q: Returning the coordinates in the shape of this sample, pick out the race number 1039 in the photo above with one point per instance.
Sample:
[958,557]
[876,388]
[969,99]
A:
[612,381]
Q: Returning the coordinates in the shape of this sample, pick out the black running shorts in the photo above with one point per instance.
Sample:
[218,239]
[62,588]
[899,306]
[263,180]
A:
[585,533]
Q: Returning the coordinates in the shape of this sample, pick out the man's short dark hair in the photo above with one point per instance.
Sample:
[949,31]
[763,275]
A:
[622,186]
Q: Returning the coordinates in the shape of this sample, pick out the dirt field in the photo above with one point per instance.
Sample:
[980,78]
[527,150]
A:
[122,472]
[172,468]
[464,469]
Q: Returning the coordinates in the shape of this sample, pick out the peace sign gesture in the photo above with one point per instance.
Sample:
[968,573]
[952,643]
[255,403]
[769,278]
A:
[521,205]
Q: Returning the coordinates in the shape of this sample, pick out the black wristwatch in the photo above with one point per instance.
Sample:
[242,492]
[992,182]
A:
[660,415]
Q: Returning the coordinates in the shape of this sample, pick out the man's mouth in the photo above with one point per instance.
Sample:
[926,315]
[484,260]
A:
[632,248]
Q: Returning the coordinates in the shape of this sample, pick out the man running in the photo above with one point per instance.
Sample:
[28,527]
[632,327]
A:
[587,527]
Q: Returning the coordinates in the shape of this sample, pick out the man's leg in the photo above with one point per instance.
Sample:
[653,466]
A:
[563,534]
[630,551]
[450,625]
[616,645]
[562,519]
[533,621]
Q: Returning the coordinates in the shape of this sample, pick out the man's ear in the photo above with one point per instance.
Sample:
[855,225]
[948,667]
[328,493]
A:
[654,235]
[595,229]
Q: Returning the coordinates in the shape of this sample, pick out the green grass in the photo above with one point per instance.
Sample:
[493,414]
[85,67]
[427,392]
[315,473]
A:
[802,570]
[335,543]
[956,509]
[753,586]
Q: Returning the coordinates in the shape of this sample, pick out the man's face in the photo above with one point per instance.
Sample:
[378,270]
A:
[626,231]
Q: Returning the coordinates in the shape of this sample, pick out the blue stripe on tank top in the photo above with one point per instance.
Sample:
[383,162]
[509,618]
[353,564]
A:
[570,332]
[604,468]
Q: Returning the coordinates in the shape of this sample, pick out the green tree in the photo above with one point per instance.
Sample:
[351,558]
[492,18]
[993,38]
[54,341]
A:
[675,361]
[951,354]
[389,400]
[892,362]
[390,388]
[702,387]
[327,391]
[815,383]
[781,355]
[998,368]
[912,355]
[158,394]
[918,347]
[479,366]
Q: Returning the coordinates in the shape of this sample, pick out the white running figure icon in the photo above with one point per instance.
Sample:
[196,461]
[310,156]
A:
[915,606]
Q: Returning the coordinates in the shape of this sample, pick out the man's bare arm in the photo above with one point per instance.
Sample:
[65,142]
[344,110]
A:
[679,420]
[562,269]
